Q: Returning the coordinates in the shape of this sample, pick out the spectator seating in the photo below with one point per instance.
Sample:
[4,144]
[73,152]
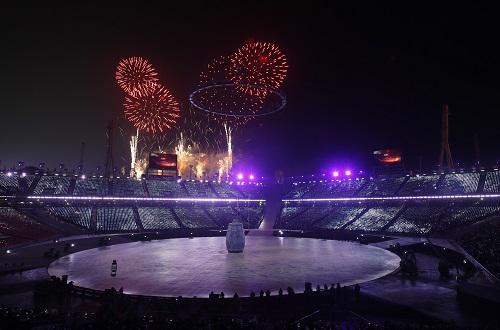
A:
[482,241]
[157,218]
[93,186]
[224,215]
[194,216]
[461,216]
[10,241]
[127,187]
[462,183]
[420,185]
[417,219]
[79,216]
[226,190]
[338,216]
[298,189]
[252,215]
[115,219]
[165,188]
[52,185]
[492,182]
[381,187]
[199,189]
[15,224]
[250,190]
[8,182]
[304,216]
[375,218]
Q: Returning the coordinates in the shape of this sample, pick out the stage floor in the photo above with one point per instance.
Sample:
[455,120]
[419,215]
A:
[195,267]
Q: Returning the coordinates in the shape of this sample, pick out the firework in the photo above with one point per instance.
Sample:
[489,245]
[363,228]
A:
[134,75]
[226,103]
[258,64]
[133,153]
[154,110]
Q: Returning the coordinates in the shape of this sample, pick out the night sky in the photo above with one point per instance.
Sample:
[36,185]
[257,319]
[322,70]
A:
[360,79]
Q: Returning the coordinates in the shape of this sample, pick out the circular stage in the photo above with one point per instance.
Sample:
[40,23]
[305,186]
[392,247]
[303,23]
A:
[195,267]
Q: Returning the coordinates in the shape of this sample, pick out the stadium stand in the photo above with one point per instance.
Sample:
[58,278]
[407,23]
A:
[15,224]
[79,216]
[420,185]
[465,215]
[375,218]
[10,241]
[194,217]
[300,218]
[157,218]
[200,189]
[93,186]
[8,182]
[252,215]
[482,241]
[338,216]
[225,190]
[250,191]
[381,187]
[298,189]
[492,182]
[417,219]
[463,183]
[127,187]
[163,188]
[223,215]
[52,185]
[115,219]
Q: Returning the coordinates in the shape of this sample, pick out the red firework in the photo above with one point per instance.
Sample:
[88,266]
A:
[260,64]
[154,110]
[134,74]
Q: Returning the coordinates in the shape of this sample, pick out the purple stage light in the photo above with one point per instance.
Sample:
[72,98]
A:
[240,176]
[251,177]
[348,172]
[335,174]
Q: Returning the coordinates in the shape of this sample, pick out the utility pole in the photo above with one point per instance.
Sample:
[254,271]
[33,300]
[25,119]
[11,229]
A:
[445,145]
[110,164]
[477,151]
[82,152]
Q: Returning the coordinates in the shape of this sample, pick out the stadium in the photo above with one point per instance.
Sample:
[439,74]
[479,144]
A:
[382,228]
[249,167]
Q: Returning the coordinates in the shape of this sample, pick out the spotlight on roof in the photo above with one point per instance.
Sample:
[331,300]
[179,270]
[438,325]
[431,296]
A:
[240,176]
[335,174]
[348,172]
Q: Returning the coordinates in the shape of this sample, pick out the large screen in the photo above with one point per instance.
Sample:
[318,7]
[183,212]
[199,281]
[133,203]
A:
[166,162]
[388,156]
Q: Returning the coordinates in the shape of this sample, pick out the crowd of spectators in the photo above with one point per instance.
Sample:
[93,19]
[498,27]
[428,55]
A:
[482,241]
